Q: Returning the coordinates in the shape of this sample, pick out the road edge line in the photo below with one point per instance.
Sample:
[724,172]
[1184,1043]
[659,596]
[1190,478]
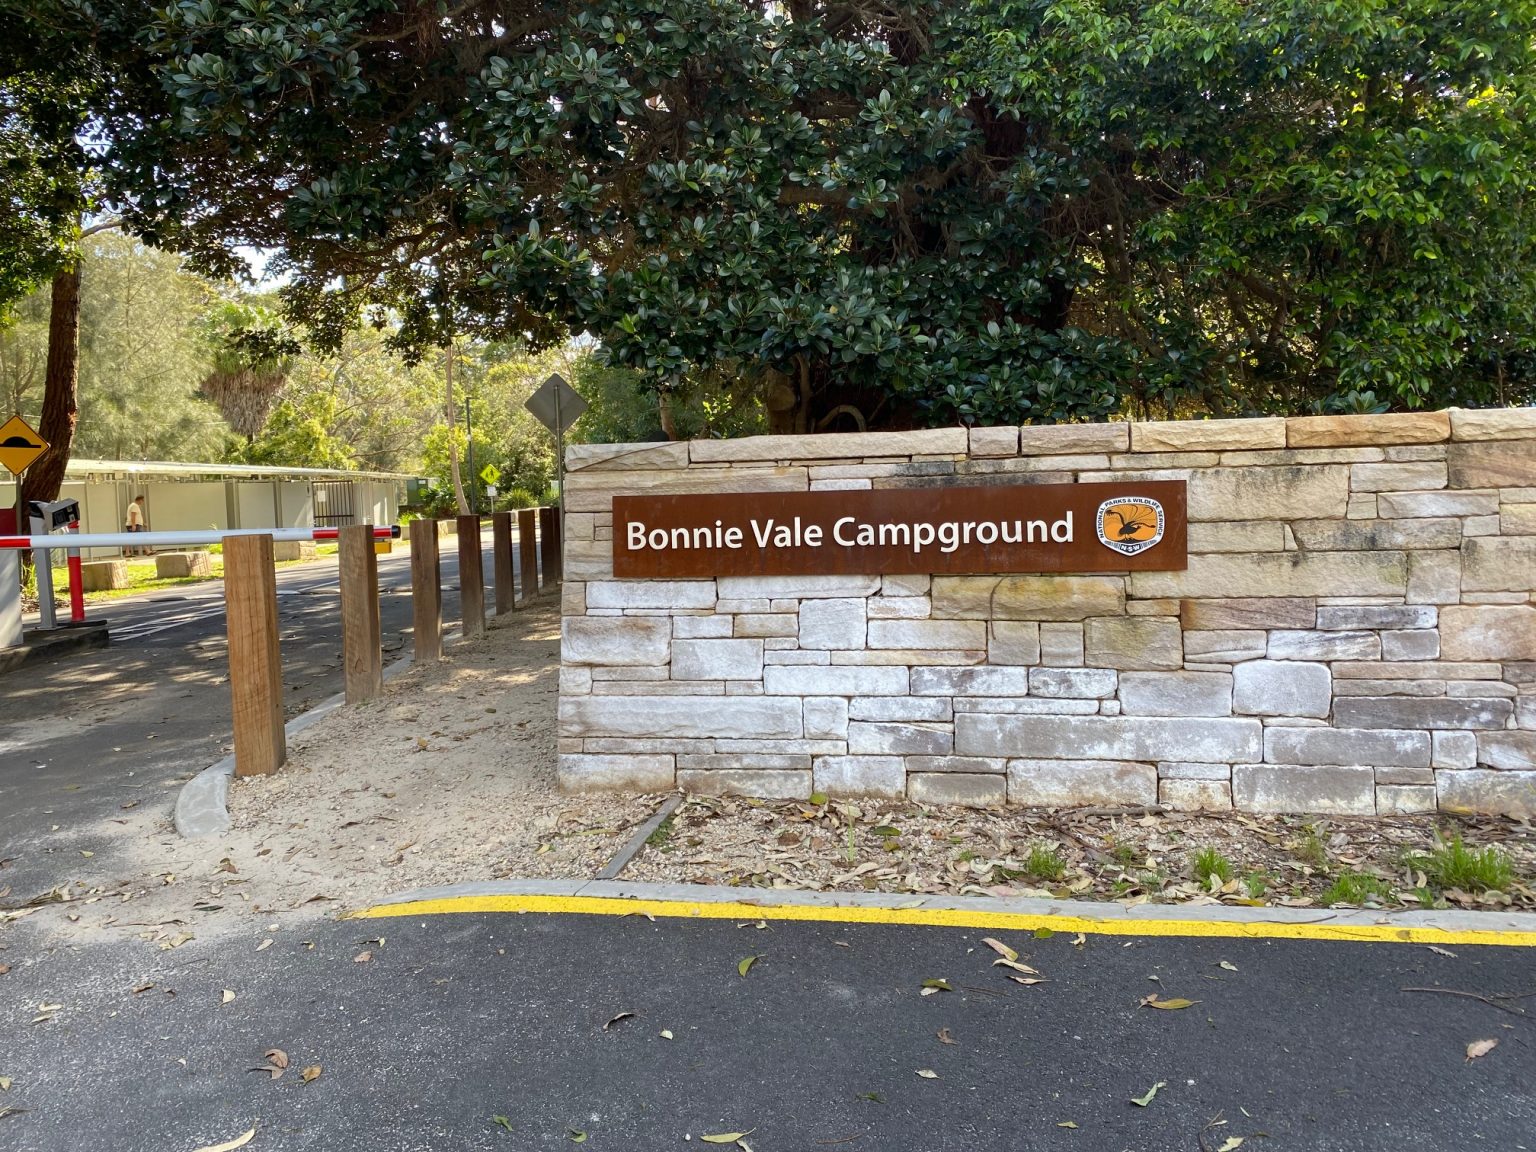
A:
[1025,914]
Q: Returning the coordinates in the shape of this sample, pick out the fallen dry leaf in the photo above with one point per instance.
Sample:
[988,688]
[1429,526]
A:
[927,1073]
[935,984]
[945,1037]
[1480,1048]
[239,1141]
[1439,951]
[1079,940]
[5,1083]
[264,945]
[1174,1003]
[665,1033]
[1016,966]
[1229,966]
[362,958]
[1066,1124]
[616,1019]
[1000,948]
[228,997]
[311,1074]
[727,1137]
[1231,1144]
[746,963]
[276,1057]
[1027,980]
[1143,1101]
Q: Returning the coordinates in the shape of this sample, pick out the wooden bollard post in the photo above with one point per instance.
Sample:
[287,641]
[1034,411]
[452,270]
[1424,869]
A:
[549,539]
[528,551]
[255,665]
[426,591]
[471,578]
[501,536]
[361,657]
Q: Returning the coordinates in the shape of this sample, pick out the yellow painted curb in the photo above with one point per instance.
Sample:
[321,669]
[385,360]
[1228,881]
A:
[949,918]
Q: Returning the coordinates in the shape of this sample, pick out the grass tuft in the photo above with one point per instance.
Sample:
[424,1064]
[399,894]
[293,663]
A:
[1354,888]
[1451,864]
[1045,863]
[1209,862]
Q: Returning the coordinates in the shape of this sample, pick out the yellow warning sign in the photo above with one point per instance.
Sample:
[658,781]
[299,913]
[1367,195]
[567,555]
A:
[19,445]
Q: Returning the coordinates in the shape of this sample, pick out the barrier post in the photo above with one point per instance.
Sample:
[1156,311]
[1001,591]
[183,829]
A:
[361,657]
[76,580]
[471,578]
[528,551]
[549,537]
[255,666]
[426,592]
[501,536]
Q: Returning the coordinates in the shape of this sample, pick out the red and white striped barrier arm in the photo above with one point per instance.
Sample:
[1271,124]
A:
[157,539]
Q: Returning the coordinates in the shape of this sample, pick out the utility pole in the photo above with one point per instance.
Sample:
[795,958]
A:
[469,439]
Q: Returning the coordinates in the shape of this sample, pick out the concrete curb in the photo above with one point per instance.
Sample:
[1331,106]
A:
[37,646]
[1154,919]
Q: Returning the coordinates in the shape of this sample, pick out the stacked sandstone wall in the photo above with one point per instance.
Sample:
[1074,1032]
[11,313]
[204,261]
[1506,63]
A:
[1355,631]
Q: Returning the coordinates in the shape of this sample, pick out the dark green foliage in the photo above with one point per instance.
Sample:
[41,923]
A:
[877,215]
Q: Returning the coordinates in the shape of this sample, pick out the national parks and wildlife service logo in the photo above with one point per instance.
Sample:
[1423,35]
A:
[1130,524]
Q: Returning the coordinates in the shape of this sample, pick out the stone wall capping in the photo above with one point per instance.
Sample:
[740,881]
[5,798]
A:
[932,442]
[1376,428]
[1493,423]
[1206,435]
[1066,439]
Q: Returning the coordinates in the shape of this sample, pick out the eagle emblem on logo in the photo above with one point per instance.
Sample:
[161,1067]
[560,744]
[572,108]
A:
[1129,524]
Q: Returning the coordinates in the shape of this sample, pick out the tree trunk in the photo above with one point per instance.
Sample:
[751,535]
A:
[453,443]
[57,426]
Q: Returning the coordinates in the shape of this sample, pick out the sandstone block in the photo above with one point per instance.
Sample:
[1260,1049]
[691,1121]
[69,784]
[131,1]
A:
[1491,793]
[1417,644]
[1290,574]
[612,457]
[1221,536]
[826,718]
[1207,435]
[736,761]
[182,565]
[930,442]
[765,624]
[1493,423]
[1517,519]
[1378,428]
[834,624]
[1025,706]
[1428,505]
[1218,740]
[1195,795]
[1376,535]
[1073,683]
[796,587]
[1225,646]
[1415,670]
[1510,751]
[766,783]
[701,627]
[1499,563]
[1027,597]
[971,634]
[900,708]
[860,775]
[1346,617]
[575,681]
[587,772]
[957,789]
[1061,645]
[1489,632]
[1013,642]
[1453,749]
[290,550]
[1462,689]
[103,575]
[685,716]
[983,680]
[1434,577]
[1492,464]
[1250,494]
[1060,439]
[1349,791]
[1426,712]
[1074,783]
[616,640]
[888,739]
[1320,645]
[1176,694]
[835,681]
[1281,688]
[1404,799]
[1397,477]
[1404,776]
[1379,748]
[678,595]
[1139,642]
[899,607]
[994,441]
[1254,612]
[1180,770]
[716,659]
[962,764]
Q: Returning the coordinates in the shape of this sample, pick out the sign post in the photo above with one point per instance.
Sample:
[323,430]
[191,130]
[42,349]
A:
[20,446]
[557,406]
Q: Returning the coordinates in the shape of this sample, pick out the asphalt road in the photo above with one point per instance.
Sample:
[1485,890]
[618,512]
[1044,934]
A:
[86,733]
[456,1020]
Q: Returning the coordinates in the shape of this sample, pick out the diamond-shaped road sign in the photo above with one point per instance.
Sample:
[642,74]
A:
[490,474]
[20,445]
[556,404]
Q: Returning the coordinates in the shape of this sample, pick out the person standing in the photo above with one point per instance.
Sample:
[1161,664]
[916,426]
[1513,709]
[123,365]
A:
[135,523]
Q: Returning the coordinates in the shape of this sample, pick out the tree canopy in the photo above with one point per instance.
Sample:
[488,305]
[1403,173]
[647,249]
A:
[880,214]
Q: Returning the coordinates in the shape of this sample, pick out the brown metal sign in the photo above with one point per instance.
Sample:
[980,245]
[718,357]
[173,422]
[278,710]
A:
[1113,527]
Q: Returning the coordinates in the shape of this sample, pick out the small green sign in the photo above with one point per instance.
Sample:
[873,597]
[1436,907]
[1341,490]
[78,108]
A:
[490,474]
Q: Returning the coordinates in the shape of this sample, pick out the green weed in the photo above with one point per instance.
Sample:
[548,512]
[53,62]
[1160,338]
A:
[1453,865]
[1045,863]
[1309,849]
[660,835]
[1209,862]
[1354,888]
[1257,883]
